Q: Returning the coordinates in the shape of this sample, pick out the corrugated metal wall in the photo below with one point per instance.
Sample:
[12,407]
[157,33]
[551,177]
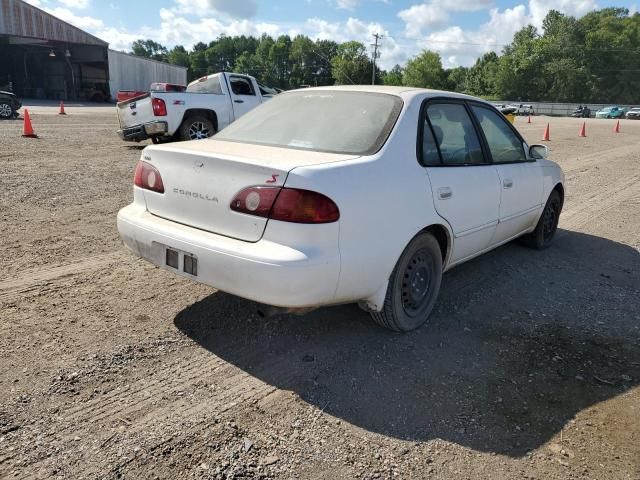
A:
[23,20]
[128,72]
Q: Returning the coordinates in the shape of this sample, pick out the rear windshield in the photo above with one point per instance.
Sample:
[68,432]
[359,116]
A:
[321,120]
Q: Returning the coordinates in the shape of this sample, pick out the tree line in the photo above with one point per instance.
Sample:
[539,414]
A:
[593,59]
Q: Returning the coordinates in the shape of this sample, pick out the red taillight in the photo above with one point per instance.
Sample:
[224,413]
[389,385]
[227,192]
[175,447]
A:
[286,204]
[148,177]
[159,107]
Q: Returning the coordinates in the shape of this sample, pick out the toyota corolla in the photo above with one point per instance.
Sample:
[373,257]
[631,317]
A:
[335,195]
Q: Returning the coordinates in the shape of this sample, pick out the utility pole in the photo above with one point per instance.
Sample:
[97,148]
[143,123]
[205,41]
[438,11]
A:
[375,46]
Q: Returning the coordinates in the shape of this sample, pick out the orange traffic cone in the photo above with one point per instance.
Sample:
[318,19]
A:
[583,130]
[545,136]
[61,112]
[529,119]
[617,127]
[27,131]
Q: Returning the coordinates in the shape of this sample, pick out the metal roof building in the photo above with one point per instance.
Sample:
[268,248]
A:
[42,56]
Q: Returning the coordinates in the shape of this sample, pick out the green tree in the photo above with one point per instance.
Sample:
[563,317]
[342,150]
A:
[351,64]
[457,79]
[481,78]
[149,49]
[425,71]
[393,76]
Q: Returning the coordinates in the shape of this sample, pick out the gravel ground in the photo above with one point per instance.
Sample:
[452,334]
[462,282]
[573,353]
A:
[111,368]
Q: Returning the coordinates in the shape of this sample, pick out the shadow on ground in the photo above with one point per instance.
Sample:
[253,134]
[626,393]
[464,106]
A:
[519,343]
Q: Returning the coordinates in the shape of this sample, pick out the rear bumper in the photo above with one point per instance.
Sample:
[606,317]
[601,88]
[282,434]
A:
[144,131]
[265,271]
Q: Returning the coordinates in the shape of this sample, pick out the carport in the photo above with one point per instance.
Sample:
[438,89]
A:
[44,57]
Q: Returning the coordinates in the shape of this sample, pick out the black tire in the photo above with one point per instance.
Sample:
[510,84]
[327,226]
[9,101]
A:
[196,127]
[547,226]
[6,110]
[413,286]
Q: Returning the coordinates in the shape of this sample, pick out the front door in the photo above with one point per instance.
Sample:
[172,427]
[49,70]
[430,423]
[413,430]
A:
[520,177]
[465,186]
[243,95]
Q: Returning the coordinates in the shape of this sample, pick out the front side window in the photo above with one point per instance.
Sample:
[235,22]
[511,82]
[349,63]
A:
[504,144]
[454,134]
[241,86]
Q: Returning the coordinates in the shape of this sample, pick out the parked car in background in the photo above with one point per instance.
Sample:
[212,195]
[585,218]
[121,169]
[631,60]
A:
[610,112]
[335,195]
[521,109]
[633,114]
[581,112]
[506,109]
[208,105]
[9,105]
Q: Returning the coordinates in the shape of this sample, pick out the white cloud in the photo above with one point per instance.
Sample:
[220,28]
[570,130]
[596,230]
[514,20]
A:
[232,8]
[355,29]
[347,4]
[465,5]
[85,23]
[78,4]
[539,8]
[459,46]
[462,47]
[420,17]
[35,3]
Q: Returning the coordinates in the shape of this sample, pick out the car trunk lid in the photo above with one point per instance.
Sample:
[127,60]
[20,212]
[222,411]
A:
[201,178]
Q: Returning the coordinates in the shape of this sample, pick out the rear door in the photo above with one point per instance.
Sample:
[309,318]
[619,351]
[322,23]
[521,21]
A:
[244,96]
[465,186]
[520,178]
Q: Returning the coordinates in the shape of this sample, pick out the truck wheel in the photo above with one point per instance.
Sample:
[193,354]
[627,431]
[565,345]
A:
[196,127]
[6,110]
[413,286]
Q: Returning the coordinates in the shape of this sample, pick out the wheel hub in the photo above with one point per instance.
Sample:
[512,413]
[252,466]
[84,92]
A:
[416,283]
[198,131]
[5,110]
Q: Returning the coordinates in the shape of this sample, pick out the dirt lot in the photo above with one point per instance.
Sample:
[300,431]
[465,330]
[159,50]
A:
[110,368]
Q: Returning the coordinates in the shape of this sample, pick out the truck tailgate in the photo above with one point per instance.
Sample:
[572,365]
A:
[135,111]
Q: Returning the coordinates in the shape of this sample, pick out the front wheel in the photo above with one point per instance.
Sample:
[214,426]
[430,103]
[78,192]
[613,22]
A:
[196,127]
[413,286]
[547,226]
[6,110]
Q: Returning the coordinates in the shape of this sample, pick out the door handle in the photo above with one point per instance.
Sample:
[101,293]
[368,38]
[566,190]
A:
[507,183]
[444,193]
[239,101]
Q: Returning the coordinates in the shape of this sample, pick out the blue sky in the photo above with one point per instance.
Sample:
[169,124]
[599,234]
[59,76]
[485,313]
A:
[460,30]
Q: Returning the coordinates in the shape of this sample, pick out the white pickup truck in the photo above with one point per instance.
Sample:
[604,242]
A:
[208,105]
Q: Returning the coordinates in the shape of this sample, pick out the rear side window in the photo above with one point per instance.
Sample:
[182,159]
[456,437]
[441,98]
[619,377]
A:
[241,86]
[504,144]
[206,85]
[430,154]
[454,134]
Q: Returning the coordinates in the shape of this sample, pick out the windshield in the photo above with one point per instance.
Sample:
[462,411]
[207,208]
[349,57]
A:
[321,120]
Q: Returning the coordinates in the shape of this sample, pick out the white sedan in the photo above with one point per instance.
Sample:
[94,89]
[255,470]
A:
[335,195]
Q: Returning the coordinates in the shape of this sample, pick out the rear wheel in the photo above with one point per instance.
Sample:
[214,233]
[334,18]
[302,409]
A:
[196,127]
[546,228]
[413,286]
[6,110]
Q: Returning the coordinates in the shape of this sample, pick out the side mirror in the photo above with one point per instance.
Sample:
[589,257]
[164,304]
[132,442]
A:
[538,152]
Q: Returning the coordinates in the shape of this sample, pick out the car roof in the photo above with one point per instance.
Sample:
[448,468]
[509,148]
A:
[406,93]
